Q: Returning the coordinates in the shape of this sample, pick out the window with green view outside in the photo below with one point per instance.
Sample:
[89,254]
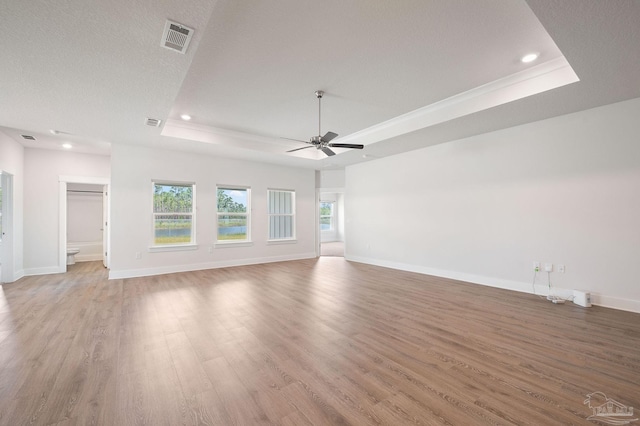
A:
[173,217]
[326,216]
[233,214]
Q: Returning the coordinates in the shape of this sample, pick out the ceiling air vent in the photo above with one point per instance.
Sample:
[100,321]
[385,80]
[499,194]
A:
[153,122]
[176,36]
[28,137]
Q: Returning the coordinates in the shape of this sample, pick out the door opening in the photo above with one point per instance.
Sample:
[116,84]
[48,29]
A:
[331,216]
[84,220]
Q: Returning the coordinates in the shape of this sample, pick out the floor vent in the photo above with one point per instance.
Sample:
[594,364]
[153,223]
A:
[28,137]
[153,122]
[176,36]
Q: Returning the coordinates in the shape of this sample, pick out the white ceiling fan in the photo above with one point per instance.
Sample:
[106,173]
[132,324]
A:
[324,143]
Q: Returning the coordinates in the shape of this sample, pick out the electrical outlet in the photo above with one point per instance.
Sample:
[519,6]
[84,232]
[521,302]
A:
[138,255]
[210,249]
[561,269]
[536,266]
[548,267]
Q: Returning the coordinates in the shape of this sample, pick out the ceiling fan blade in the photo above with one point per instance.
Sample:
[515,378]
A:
[345,145]
[327,151]
[297,140]
[298,149]
[329,136]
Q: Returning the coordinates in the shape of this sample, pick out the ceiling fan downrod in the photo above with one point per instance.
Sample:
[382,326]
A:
[319,94]
[324,143]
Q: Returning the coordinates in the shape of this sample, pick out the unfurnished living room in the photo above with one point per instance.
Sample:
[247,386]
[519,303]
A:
[298,212]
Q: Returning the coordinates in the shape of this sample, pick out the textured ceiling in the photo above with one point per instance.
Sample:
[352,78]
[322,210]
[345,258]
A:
[258,66]
[95,71]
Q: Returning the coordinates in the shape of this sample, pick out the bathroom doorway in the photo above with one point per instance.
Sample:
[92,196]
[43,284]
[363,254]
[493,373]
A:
[84,219]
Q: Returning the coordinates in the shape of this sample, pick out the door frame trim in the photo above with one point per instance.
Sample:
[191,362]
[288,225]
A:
[62,244]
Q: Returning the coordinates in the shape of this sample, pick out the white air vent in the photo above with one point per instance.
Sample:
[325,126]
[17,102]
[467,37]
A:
[28,137]
[176,36]
[153,122]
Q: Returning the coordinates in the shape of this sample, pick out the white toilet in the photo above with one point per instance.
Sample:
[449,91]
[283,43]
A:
[71,255]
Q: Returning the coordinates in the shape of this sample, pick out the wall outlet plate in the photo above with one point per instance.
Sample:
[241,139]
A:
[548,267]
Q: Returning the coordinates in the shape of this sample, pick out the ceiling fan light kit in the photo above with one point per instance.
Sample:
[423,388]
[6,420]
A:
[323,143]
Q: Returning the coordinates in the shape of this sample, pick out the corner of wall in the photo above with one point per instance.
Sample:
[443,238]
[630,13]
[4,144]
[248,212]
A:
[596,299]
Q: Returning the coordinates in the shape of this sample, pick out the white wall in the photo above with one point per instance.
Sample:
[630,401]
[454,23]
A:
[482,209]
[12,161]
[84,221]
[41,202]
[84,217]
[340,213]
[331,179]
[134,168]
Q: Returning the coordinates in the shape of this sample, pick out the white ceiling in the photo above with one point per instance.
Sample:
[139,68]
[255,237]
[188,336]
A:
[397,75]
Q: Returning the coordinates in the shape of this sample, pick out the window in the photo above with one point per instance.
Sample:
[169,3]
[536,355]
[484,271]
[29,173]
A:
[233,214]
[281,212]
[326,216]
[173,218]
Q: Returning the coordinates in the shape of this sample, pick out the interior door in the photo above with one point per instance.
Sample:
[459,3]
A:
[105,226]
[1,225]
[6,227]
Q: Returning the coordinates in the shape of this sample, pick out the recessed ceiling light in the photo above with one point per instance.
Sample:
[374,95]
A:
[67,145]
[185,117]
[530,57]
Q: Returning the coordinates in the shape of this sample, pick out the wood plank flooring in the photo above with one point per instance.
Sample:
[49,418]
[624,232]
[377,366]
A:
[313,342]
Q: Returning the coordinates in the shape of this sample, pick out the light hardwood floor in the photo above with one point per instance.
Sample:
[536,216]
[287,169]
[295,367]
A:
[314,342]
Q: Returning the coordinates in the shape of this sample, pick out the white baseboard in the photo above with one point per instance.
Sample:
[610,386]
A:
[42,271]
[171,269]
[615,302]
[596,299]
[16,276]
[88,257]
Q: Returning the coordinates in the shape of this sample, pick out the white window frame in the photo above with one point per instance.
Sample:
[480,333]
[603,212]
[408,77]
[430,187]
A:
[332,216]
[192,245]
[292,215]
[247,214]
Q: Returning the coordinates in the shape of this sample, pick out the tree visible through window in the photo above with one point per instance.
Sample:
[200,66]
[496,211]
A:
[173,219]
[233,214]
[326,216]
